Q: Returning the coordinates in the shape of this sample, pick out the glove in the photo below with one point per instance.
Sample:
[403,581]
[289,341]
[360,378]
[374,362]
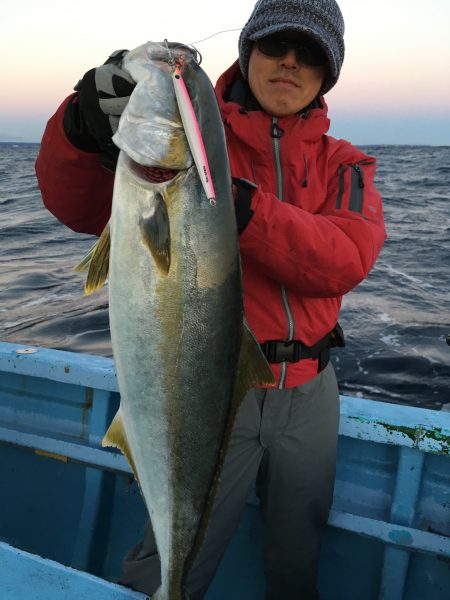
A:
[243,191]
[92,118]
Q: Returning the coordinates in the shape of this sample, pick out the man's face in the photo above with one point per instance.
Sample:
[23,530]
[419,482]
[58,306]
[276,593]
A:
[286,84]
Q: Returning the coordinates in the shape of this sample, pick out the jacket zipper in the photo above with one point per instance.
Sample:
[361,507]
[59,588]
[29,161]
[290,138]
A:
[356,200]
[276,134]
[359,173]
[357,168]
[357,185]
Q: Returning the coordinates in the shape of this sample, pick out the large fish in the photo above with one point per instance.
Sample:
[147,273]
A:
[183,353]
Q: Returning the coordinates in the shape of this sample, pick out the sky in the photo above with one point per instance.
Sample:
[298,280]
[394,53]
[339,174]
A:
[394,86]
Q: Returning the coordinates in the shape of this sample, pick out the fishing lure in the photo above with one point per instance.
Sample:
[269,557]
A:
[191,128]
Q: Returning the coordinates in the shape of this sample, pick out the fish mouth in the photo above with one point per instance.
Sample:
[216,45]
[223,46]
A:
[166,51]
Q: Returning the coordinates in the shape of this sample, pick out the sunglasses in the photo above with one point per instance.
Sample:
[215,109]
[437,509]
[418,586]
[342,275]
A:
[307,52]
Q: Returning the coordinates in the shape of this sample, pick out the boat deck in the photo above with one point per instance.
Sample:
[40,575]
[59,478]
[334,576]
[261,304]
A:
[24,576]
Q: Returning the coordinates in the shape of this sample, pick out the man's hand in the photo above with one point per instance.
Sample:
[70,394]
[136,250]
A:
[93,117]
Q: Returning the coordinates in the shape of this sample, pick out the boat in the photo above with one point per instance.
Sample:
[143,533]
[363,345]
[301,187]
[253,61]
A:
[70,509]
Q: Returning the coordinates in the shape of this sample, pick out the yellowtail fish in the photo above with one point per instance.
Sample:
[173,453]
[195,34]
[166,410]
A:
[184,355]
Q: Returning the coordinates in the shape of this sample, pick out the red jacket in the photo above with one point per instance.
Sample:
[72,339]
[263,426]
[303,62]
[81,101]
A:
[299,255]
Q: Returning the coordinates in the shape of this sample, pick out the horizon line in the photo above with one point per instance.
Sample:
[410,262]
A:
[366,144]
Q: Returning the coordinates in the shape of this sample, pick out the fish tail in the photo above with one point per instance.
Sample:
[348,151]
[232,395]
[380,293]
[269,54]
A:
[162,594]
[159,595]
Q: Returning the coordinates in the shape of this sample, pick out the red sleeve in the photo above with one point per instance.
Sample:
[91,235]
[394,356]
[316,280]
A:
[74,185]
[319,255]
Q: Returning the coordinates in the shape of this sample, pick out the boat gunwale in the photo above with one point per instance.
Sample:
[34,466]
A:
[382,422]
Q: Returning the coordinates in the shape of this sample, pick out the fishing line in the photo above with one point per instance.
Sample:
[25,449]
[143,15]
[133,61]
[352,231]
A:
[214,34]
[191,45]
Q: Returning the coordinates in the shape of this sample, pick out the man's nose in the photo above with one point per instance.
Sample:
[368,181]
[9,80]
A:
[289,60]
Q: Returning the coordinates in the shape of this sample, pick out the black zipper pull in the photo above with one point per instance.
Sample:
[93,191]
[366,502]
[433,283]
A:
[360,175]
[275,131]
[305,181]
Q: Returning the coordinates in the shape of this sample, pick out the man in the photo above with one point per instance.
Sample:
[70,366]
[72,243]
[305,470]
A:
[311,227]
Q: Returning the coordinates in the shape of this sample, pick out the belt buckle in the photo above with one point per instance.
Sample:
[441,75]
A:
[288,351]
[279,351]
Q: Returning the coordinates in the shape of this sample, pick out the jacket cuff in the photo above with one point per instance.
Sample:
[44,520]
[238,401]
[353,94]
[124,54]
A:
[75,128]
[243,193]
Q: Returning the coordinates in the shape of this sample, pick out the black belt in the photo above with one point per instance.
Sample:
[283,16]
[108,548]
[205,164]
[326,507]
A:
[278,351]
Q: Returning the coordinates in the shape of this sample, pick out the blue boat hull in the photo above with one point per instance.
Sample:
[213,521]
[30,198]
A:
[65,498]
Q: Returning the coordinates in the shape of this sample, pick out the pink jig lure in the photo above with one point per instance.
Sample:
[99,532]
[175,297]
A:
[192,130]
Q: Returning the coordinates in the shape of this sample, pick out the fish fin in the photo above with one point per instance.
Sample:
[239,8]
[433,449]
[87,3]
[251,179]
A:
[155,233]
[96,263]
[253,368]
[116,437]
[83,265]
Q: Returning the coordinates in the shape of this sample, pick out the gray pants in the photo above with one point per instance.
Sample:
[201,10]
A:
[285,440]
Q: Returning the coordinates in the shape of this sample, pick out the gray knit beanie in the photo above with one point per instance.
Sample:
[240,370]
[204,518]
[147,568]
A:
[319,19]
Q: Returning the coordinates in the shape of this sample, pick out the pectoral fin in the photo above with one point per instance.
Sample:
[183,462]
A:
[253,368]
[96,263]
[116,437]
[155,233]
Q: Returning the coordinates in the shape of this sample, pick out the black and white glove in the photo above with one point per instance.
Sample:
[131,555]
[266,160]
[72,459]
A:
[92,118]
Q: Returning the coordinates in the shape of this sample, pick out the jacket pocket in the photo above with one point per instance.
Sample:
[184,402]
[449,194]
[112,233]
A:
[352,186]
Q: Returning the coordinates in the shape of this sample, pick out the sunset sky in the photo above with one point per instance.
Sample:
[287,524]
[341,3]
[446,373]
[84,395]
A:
[394,86]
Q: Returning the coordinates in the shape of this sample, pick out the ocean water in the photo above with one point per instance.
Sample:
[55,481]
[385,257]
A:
[395,322]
